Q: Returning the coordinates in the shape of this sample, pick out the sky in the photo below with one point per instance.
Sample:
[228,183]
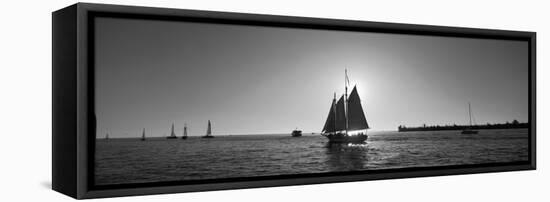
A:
[265,80]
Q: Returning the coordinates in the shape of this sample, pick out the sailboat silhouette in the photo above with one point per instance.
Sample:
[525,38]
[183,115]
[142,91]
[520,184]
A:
[184,136]
[172,134]
[208,131]
[346,121]
[143,135]
[469,130]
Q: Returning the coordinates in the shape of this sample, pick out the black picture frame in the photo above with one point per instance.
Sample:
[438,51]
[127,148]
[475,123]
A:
[73,127]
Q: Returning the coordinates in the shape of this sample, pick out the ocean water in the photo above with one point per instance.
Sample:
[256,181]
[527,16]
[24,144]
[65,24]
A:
[121,161]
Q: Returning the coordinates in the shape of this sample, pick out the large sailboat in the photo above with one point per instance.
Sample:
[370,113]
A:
[172,134]
[184,136]
[208,131]
[346,121]
[469,130]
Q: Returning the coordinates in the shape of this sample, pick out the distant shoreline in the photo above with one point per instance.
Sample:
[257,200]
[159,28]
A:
[514,125]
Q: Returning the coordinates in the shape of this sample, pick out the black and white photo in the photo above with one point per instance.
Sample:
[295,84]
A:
[191,101]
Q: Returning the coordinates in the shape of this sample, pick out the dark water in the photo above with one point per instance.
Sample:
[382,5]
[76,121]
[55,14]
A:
[133,161]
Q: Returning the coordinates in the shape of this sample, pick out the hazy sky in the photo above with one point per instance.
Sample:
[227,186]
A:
[250,79]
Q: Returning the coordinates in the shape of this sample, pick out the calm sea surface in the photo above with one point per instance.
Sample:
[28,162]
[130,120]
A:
[158,159]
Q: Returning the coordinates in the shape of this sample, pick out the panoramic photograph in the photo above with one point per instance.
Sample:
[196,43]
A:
[187,101]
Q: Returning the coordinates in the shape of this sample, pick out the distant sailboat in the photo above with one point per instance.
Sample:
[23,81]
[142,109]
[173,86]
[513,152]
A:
[184,136]
[173,134]
[469,129]
[208,131]
[143,135]
[107,136]
[346,122]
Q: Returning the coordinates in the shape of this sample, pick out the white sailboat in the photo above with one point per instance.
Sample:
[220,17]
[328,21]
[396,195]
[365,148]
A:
[208,131]
[172,134]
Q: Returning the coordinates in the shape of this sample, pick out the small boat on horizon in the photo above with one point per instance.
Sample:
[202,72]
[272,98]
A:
[469,130]
[296,133]
[172,134]
[346,122]
[143,135]
[184,136]
[106,136]
[208,131]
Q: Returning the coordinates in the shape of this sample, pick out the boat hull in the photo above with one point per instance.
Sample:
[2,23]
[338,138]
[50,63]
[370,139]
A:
[343,138]
[296,133]
[208,136]
[171,137]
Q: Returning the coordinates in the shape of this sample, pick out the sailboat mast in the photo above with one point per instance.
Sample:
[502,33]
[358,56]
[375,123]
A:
[334,111]
[346,99]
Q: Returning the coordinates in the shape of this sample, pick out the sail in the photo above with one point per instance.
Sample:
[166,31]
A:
[331,118]
[173,134]
[143,134]
[185,131]
[340,115]
[209,130]
[356,116]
